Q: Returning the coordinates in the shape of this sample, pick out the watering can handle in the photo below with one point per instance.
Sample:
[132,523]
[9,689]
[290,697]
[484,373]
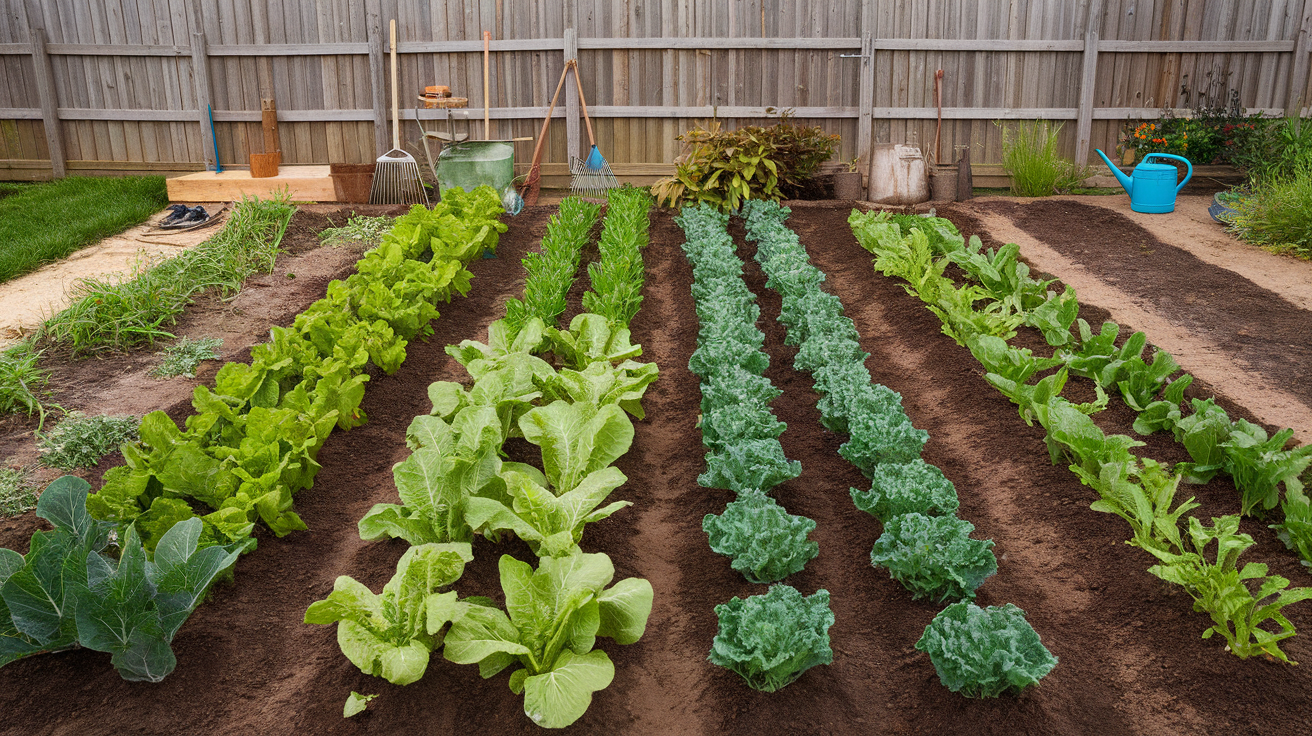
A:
[1188,175]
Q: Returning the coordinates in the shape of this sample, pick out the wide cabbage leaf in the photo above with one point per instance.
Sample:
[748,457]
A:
[390,635]
[552,618]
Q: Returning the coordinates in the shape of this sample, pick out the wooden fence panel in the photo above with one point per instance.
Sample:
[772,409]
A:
[126,86]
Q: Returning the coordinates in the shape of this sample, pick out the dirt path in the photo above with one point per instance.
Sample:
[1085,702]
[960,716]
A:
[1246,340]
[28,300]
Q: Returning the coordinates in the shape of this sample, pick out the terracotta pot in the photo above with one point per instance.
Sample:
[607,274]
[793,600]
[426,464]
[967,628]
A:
[847,185]
[352,182]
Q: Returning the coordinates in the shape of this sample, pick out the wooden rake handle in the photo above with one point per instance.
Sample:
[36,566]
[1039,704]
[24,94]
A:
[583,104]
[542,136]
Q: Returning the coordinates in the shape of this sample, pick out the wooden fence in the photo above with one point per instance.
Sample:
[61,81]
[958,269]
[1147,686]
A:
[126,85]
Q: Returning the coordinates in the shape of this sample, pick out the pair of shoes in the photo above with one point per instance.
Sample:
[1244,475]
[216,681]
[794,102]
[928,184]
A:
[189,217]
[176,212]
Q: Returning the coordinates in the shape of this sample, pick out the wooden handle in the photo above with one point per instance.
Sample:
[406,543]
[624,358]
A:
[542,137]
[487,120]
[583,104]
[396,103]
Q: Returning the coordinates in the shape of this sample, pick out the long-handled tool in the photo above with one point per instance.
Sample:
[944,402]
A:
[534,181]
[396,173]
[938,129]
[592,176]
[487,119]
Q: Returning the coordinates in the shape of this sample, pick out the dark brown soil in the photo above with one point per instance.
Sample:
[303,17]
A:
[1131,660]
[1256,326]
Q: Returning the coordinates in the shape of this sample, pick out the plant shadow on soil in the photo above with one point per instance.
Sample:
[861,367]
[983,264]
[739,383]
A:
[1131,660]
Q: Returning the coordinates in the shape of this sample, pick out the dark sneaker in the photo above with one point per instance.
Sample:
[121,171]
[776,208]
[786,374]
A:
[192,217]
[176,212]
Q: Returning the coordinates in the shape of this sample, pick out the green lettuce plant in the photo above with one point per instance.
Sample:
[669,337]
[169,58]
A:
[934,556]
[549,627]
[391,635]
[766,543]
[984,652]
[750,465]
[771,639]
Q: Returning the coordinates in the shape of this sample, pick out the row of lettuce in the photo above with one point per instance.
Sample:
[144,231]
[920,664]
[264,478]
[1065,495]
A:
[455,486]
[125,567]
[983,314]
[771,639]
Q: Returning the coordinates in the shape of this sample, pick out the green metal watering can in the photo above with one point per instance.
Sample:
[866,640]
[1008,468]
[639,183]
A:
[1152,187]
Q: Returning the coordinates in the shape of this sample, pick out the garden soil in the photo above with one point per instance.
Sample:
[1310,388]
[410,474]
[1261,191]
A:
[1131,657]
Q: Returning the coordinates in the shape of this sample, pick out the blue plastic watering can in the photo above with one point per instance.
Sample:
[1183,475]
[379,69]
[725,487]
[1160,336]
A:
[1152,187]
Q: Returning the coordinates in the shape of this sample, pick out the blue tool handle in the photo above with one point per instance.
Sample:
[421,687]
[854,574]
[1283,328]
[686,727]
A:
[1188,175]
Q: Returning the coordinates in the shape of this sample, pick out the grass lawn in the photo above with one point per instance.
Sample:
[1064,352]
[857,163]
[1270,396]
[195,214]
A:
[40,223]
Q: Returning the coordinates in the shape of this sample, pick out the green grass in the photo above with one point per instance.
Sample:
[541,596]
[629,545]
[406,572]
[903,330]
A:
[40,223]
[80,441]
[22,383]
[17,492]
[120,314]
[1029,155]
[184,356]
[1276,213]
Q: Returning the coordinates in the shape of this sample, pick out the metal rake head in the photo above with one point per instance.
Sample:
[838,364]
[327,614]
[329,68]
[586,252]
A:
[591,183]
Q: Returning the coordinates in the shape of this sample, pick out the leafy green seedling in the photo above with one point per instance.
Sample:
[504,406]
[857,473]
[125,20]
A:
[80,441]
[184,356]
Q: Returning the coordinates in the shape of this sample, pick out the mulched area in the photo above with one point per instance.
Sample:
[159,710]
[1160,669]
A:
[1131,660]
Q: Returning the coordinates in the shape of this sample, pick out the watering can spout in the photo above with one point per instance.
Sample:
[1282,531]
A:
[1125,181]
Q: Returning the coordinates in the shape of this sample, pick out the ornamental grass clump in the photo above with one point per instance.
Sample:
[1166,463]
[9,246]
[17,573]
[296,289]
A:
[984,652]
[1030,157]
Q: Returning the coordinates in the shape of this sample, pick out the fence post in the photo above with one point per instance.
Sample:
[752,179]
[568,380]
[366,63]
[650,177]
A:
[571,97]
[1088,79]
[377,73]
[45,86]
[200,76]
[866,93]
[1294,102]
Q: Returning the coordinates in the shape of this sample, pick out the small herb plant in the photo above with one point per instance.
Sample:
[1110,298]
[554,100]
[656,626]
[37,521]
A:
[184,356]
[17,493]
[80,441]
[22,383]
[359,229]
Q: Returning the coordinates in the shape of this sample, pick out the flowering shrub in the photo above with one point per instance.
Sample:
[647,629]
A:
[1186,137]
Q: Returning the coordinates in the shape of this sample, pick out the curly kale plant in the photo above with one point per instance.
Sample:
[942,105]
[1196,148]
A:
[751,465]
[771,639]
[901,488]
[983,652]
[766,543]
[934,556]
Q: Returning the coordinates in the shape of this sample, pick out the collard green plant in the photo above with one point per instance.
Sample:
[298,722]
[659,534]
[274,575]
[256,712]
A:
[984,652]
[882,438]
[766,543]
[903,488]
[771,639]
[552,618]
[390,635]
[68,592]
[934,556]
[729,425]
